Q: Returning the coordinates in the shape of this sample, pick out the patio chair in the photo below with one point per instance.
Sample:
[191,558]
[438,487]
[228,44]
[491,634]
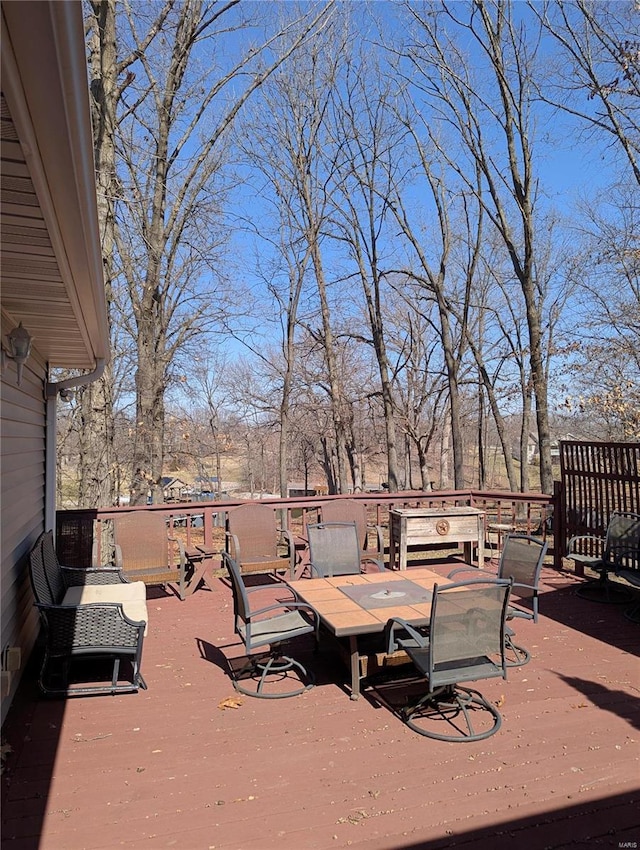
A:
[465,643]
[521,559]
[334,550]
[253,541]
[86,614]
[617,551]
[370,537]
[256,630]
[145,552]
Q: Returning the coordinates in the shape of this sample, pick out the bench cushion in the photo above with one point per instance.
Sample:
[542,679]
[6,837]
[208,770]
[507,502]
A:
[133,597]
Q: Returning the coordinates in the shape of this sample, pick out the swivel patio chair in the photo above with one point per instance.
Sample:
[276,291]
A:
[334,550]
[618,551]
[370,537]
[145,552]
[257,630]
[86,615]
[521,559]
[254,541]
[465,643]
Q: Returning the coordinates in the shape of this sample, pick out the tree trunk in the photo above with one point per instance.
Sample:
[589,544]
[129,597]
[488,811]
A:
[97,460]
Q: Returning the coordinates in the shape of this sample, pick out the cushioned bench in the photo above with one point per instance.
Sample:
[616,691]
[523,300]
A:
[132,596]
[90,613]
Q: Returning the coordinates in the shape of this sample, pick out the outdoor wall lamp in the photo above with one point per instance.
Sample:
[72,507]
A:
[19,343]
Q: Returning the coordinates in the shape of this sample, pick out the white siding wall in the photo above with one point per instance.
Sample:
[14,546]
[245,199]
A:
[22,442]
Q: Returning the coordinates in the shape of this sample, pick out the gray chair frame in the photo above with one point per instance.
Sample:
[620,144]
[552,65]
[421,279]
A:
[521,559]
[465,642]
[96,630]
[256,631]
[334,550]
[619,554]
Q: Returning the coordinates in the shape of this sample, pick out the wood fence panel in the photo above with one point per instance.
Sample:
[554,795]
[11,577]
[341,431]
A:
[596,480]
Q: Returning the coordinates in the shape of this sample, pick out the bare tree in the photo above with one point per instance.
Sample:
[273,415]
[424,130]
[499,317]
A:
[606,326]
[421,388]
[295,152]
[97,460]
[173,110]
[367,179]
[597,75]
[467,108]
[426,281]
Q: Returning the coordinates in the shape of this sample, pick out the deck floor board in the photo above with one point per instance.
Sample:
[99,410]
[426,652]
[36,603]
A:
[173,767]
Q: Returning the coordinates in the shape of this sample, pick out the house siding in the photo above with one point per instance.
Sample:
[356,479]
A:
[22,488]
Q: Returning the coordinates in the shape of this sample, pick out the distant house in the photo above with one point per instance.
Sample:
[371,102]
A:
[296,489]
[555,446]
[173,488]
[532,447]
[205,483]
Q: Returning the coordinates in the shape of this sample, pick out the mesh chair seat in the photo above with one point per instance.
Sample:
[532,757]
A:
[276,629]
[478,667]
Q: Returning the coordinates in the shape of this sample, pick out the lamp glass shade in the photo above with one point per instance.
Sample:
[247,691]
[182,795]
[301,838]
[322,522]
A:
[19,343]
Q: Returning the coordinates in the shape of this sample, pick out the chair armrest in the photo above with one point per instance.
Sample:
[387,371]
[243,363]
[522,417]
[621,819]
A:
[379,537]
[182,565]
[578,537]
[181,550]
[397,623]
[290,606]
[513,612]
[473,570]
[96,625]
[528,586]
[365,559]
[286,605]
[233,538]
[270,586]
[73,576]
[284,532]
[182,557]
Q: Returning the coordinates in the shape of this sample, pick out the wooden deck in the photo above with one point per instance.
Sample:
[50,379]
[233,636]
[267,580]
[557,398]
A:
[173,767]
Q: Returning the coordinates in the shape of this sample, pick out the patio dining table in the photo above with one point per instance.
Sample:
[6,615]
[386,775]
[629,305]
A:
[353,608]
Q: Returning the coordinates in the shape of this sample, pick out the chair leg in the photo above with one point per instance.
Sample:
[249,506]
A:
[116,673]
[604,590]
[278,666]
[55,679]
[518,655]
[450,705]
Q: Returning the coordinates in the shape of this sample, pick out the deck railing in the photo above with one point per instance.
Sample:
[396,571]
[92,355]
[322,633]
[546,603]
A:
[80,539]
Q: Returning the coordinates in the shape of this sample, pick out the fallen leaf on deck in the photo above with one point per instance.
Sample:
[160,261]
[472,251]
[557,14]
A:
[230,702]
[500,701]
